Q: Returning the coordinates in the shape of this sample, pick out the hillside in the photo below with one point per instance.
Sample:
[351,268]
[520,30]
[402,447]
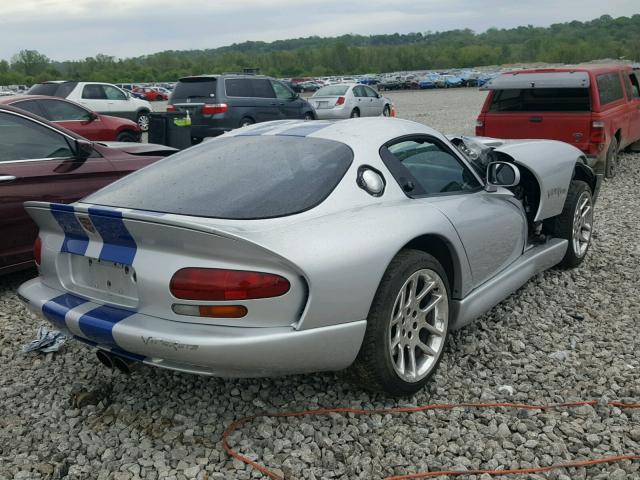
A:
[570,42]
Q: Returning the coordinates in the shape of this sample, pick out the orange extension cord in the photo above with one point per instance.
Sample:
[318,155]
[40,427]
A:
[453,473]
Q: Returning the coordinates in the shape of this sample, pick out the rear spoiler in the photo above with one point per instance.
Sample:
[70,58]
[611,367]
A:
[519,81]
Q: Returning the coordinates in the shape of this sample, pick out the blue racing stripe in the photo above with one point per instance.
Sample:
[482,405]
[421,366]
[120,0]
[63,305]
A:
[56,309]
[97,324]
[303,130]
[118,244]
[76,240]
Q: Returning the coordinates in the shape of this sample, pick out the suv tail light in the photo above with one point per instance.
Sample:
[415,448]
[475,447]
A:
[340,101]
[215,284]
[37,251]
[213,108]
[171,108]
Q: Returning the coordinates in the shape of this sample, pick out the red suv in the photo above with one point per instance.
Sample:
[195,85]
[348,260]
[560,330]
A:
[595,108]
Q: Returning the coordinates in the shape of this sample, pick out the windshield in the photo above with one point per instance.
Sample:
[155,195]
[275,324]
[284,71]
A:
[331,91]
[243,177]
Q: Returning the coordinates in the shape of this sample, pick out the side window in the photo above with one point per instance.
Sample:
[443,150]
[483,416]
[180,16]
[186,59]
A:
[59,111]
[262,88]
[635,87]
[31,106]
[249,87]
[23,139]
[93,92]
[609,88]
[370,92]
[112,93]
[282,92]
[358,91]
[433,168]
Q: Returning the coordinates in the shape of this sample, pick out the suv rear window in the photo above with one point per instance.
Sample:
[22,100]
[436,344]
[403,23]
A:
[609,88]
[245,177]
[541,100]
[249,87]
[52,89]
[198,89]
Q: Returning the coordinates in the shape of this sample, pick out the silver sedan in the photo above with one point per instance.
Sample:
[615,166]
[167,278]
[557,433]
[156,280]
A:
[349,100]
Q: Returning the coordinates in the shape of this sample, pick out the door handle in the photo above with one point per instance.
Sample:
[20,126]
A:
[535,119]
[7,178]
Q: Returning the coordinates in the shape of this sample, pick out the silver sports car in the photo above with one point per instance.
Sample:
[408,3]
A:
[291,246]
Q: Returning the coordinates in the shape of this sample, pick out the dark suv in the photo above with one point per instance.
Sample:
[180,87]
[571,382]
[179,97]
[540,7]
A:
[219,103]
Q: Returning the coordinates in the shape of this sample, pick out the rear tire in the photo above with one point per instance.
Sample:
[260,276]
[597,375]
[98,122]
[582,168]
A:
[127,137]
[575,223]
[355,113]
[611,163]
[407,326]
[246,121]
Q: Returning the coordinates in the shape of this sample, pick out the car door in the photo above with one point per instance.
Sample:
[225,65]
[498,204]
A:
[491,226]
[361,102]
[119,102]
[376,102]
[37,162]
[288,102]
[76,118]
[94,98]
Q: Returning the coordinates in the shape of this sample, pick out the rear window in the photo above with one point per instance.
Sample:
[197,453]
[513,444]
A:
[249,87]
[52,89]
[541,100]
[197,89]
[609,88]
[332,90]
[245,177]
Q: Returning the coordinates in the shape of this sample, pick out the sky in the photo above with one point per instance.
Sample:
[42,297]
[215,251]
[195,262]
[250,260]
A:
[75,29]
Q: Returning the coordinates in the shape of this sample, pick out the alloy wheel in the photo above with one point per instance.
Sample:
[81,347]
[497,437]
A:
[418,327]
[582,224]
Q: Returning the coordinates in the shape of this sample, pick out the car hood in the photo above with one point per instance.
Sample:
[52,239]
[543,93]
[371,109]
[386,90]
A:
[140,148]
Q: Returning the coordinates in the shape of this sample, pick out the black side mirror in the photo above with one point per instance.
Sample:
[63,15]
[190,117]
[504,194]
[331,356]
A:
[502,174]
[92,116]
[84,149]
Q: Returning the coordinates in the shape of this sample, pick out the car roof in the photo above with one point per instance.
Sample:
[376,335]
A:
[592,68]
[44,121]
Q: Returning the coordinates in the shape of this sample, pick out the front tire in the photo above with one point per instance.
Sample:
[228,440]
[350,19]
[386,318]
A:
[309,116]
[575,223]
[407,326]
[611,163]
[386,112]
[143,121]
[127,137]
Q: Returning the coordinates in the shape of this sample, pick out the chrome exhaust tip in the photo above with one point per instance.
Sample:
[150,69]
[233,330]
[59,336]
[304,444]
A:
[125,366]
[105,359]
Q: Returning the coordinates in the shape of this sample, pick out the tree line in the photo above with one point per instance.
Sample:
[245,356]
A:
[571,42]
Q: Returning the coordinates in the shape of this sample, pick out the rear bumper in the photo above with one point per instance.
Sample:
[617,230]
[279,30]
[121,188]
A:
[196,348]
[332,113]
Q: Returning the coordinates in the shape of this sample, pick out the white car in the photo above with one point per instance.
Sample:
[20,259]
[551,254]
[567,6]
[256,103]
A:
[99,97]
[349,100]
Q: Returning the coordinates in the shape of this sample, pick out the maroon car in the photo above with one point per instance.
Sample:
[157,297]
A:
[43,161]
[77,118]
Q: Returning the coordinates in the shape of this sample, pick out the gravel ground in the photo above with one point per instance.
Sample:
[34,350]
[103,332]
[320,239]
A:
[566,335]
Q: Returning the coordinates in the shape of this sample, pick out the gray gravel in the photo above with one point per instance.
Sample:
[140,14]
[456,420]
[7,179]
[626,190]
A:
[566,335]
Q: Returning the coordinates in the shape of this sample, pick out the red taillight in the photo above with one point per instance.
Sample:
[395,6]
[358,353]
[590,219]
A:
[216,284]
[340,101]
[597,132]
[171,108]
[213,108]
[37,251]
[480,127]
